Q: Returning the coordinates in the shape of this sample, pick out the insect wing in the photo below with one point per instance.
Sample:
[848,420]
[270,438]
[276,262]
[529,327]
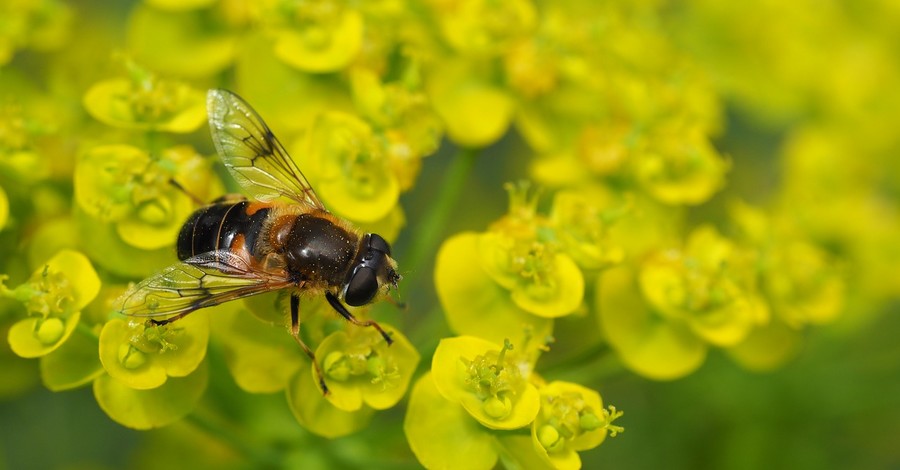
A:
[252,153]
[201,281]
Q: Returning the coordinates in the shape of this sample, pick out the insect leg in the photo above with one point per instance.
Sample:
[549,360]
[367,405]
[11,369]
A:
[187,193]
[295,332]
[337,305]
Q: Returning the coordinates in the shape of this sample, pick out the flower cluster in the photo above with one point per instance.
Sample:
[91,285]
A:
[512,281]
[112,152]
[477,390]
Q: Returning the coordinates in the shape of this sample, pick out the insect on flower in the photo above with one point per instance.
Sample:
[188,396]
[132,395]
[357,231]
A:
[284,238]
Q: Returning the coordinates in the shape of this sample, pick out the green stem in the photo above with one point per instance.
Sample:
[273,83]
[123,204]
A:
[87,330]
[594,365]
[433,225]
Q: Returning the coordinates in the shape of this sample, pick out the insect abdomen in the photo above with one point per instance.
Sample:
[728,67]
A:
[217,226]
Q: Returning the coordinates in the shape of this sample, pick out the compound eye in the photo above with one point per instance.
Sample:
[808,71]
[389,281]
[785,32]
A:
[380,244]
[362,287]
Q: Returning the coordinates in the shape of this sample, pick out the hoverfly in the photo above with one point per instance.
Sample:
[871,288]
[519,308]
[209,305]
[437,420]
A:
[284,238]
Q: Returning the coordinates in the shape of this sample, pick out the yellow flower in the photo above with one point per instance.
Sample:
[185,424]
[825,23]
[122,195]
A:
[54,297]
[401,115]
[349,168]
[182,39]
[361,368]
[490,382]
[146,102]
[133,189]
[144,356]
[480,27]
[320,36]
[582,219]
[572,419]
[38,24]
[475,111]
[474,303]
[707,285]
[662,318]
[680,166]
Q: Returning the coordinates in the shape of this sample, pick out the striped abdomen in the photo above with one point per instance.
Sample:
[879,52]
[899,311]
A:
[222,226]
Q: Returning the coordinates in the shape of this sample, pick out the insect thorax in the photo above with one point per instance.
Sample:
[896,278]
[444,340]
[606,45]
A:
[318,250]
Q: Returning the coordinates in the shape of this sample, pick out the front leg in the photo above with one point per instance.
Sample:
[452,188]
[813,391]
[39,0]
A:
[295,332]
[337,305]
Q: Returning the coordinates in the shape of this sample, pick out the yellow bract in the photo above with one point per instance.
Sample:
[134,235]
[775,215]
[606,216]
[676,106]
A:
[323,39]
[143,356]
[319,415]
[262,357]
[148,104]
[400,114]
[38,24]
[646,343]
[582,220]
[486,380]
[475,111]
[151,408]
[475,304]
[133,189]
[804,286]
[54,297]
[349,168]
[541,282]
[360,368]
[4,208]
[572,419]
[180,40]
[483,27]
[681,168]
[437,429]
[36,337]
[179,5]
[707,285]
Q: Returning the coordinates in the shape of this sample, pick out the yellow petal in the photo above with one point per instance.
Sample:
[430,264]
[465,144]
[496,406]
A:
[648,345]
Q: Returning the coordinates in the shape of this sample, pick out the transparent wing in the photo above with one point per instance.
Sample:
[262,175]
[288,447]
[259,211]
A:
[201,281]
[252,153]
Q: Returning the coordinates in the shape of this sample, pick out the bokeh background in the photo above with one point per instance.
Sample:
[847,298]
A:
[789,107]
